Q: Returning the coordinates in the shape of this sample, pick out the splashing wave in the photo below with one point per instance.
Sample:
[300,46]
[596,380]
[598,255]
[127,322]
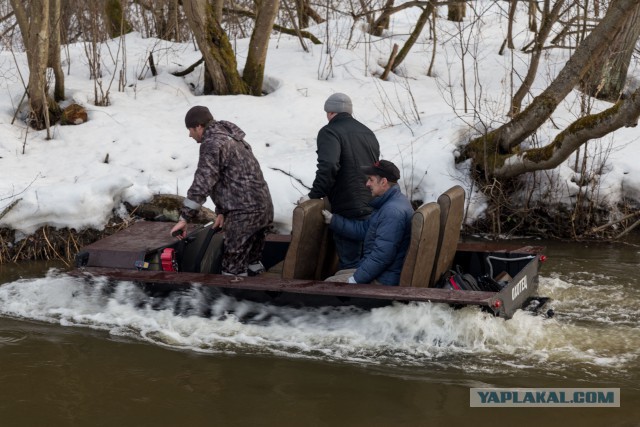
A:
[416,334]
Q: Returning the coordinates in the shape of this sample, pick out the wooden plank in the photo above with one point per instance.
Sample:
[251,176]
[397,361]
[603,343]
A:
[139,237]
[305,287]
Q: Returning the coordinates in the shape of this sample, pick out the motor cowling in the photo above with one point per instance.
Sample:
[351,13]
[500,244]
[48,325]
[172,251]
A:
[168,259]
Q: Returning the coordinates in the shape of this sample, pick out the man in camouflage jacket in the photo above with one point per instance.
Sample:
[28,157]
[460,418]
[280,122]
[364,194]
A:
[230,174]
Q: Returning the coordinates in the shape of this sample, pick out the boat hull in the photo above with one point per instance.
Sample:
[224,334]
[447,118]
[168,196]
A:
[134,255]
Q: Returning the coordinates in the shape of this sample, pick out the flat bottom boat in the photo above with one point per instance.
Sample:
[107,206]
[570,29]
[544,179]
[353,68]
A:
[506,275]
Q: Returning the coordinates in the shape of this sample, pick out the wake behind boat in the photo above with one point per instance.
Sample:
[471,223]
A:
[501,278]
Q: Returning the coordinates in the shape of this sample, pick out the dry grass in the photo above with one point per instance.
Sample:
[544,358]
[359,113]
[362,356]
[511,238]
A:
[49,243]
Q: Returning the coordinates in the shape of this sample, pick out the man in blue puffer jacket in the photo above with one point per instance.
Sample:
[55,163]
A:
[386,233]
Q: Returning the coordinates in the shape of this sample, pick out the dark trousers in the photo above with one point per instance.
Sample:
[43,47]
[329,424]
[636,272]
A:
[349,252]
[244,240]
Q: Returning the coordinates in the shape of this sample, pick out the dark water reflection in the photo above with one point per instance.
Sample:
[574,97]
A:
[65,364]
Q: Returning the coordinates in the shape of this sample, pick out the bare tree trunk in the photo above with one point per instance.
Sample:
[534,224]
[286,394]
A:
[174,21]
[302,7]
[457,10]
[366,12]
[434,37]
[218,7]
[161,22]
[253,73]
[382,22]
[54,49]
[219,57]
[422,20]
[501,141]
[291,31]
[34,26]
[512,13]
[548,19]
[533,24]
[607,77]
[314,15]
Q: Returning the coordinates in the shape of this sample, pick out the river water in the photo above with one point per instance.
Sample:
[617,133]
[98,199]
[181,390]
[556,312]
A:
[73,354]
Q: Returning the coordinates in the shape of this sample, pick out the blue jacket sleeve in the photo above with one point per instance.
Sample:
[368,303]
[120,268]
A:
[386,243]
[353,229]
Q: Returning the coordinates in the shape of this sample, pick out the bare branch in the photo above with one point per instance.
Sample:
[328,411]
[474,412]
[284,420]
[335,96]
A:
[250,14]
[8,208]
[189,69]
[291,176]
[624,113]
[7,16]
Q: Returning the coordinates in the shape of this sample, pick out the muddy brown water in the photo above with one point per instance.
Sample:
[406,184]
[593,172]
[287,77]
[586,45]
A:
[75,353]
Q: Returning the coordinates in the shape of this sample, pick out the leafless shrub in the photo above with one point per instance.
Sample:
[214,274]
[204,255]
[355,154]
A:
[398,106]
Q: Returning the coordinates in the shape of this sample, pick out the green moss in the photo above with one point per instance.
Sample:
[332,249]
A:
[537,155]
[222,52]
[485,152]
[542,154]
[488,154]
[593,120]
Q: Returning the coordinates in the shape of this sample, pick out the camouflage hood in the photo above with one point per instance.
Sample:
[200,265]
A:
[227,128]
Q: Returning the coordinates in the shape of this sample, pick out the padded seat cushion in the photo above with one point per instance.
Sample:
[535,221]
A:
[311,249]
[418,265]
[451,215]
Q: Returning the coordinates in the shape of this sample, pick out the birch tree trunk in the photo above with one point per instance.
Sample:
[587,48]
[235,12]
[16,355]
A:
[549,17]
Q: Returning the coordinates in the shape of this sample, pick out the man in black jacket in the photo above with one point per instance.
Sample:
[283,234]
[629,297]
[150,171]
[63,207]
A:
[344,146]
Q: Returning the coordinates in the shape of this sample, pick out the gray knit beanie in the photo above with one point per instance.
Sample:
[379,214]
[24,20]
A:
[198,115]
[338,103]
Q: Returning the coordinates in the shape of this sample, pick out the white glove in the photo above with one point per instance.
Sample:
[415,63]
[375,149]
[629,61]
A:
[327,216]
[351,280]
[302,199]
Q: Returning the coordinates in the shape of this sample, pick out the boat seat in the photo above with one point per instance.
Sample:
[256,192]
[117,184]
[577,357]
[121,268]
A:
[421,255]
[451,215]
[311,254]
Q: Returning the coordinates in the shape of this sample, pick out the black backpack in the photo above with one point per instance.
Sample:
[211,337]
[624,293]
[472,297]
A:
[458,281]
